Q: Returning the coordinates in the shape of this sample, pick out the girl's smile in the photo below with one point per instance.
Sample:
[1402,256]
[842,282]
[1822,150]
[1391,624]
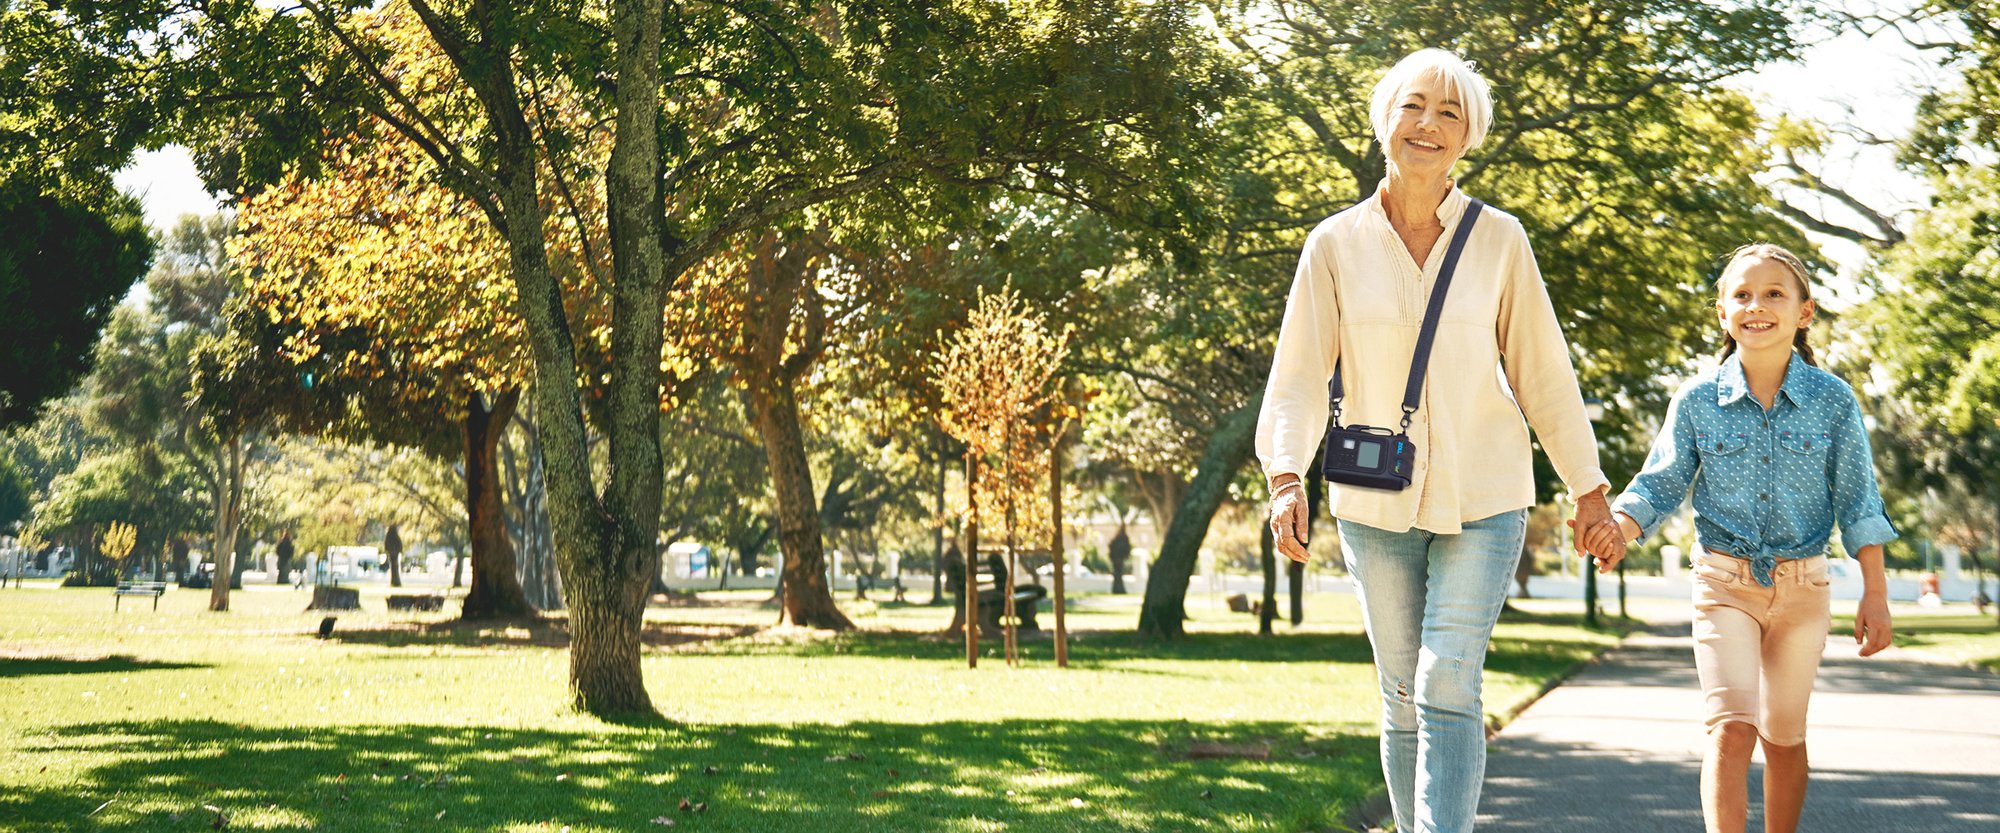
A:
[1762,306]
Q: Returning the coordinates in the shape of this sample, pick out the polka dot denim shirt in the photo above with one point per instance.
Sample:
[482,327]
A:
[1768,485]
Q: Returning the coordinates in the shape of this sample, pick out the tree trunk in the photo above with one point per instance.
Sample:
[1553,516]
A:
[228,512]
[395,558]
[1056,547]
[179,550]
[937,544]
[1295,572]
[1164,610]
[539,576]
[604,616]
[971,595]
[808,599]
[496,591]
[1268,554]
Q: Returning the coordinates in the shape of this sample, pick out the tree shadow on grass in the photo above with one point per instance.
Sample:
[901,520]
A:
[533,633]
[1017,775]
[1099,650]
[45,666]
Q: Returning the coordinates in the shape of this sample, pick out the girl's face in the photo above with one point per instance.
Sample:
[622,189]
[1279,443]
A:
[1427,129]
[1762,305]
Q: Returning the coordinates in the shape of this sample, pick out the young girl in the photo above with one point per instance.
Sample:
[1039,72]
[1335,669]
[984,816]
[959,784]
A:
[1776,454]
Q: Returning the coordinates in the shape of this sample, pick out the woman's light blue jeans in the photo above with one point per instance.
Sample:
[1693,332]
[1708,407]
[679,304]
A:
[1429,602]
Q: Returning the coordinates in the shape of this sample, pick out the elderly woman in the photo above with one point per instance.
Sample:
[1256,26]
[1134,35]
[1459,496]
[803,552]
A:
[1432,561]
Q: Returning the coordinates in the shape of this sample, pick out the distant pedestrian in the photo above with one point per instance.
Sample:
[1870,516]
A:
[285,552]
[1776,454]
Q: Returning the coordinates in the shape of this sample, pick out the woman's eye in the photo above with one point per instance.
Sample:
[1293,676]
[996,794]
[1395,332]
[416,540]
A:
[1451,115]
[1413,106]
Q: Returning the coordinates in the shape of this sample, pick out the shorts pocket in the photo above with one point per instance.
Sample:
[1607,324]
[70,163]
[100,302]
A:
[1715,571]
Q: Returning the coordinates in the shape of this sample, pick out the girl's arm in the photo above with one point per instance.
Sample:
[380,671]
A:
[1864,524]
[1660,487]
[1856,501]
[1872,628]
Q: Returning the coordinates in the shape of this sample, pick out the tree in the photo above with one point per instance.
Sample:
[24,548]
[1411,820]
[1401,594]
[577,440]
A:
[725,120]
[379,312]
[64,263]
[116,544]
[143,389]
[994,376]
[1932,337]
[110,488]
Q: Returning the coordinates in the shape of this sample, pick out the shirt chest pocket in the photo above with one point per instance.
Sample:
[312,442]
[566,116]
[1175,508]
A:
[1806,446]
[1719,443]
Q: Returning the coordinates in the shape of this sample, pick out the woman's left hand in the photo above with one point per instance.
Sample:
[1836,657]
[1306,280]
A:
[1872,629]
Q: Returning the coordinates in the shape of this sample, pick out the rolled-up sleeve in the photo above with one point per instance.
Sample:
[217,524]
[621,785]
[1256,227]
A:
[1536,358]
[1857,501]
[1663,483]
[1293,417]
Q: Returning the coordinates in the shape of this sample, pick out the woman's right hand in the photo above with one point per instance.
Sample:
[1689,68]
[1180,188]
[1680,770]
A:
[1289,517]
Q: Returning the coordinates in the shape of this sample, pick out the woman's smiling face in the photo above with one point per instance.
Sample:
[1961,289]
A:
[1427,132]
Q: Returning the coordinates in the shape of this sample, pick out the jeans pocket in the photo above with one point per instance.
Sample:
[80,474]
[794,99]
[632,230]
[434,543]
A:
[1713,572]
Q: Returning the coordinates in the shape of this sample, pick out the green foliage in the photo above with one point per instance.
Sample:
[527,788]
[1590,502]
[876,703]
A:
[16,493]
[163,499]
[1934,339]
[64,264]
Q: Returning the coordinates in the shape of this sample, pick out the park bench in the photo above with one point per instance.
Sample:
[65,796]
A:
[414,601]
[138,588]
[993,606]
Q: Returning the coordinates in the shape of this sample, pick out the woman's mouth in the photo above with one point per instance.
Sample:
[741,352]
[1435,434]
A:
[1424,145]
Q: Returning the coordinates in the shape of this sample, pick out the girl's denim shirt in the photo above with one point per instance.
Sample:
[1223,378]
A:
[1767,484]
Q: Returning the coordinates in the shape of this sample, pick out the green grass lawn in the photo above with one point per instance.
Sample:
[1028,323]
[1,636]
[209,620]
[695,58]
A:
[1958,635]
[139,720]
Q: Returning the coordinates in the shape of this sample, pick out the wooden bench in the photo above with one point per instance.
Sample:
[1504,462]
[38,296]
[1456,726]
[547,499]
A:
[138,588]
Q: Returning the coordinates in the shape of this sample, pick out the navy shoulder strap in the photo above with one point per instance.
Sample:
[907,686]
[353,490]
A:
[1421,360]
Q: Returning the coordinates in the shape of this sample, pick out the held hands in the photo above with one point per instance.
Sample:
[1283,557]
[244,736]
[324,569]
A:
[1597,534]
[1872,630]
[1289,518]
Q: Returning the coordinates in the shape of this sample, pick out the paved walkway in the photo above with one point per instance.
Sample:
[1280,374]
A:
[1896,745]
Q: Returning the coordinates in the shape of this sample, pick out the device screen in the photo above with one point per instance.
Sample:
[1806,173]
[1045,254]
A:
[1369,455]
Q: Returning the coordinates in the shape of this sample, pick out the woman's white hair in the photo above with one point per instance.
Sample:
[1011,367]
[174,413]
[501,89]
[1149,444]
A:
[1461,82]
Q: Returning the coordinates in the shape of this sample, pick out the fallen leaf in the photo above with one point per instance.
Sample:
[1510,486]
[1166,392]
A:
[1076,802]
[880,794]
[686,805]
[893,773]
[709,770]
[701,807]
[563,777]
[663,820]
[1207,794]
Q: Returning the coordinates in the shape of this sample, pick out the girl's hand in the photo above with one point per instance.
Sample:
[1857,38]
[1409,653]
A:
[1872,630]
[1289,519]
[1603,541]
